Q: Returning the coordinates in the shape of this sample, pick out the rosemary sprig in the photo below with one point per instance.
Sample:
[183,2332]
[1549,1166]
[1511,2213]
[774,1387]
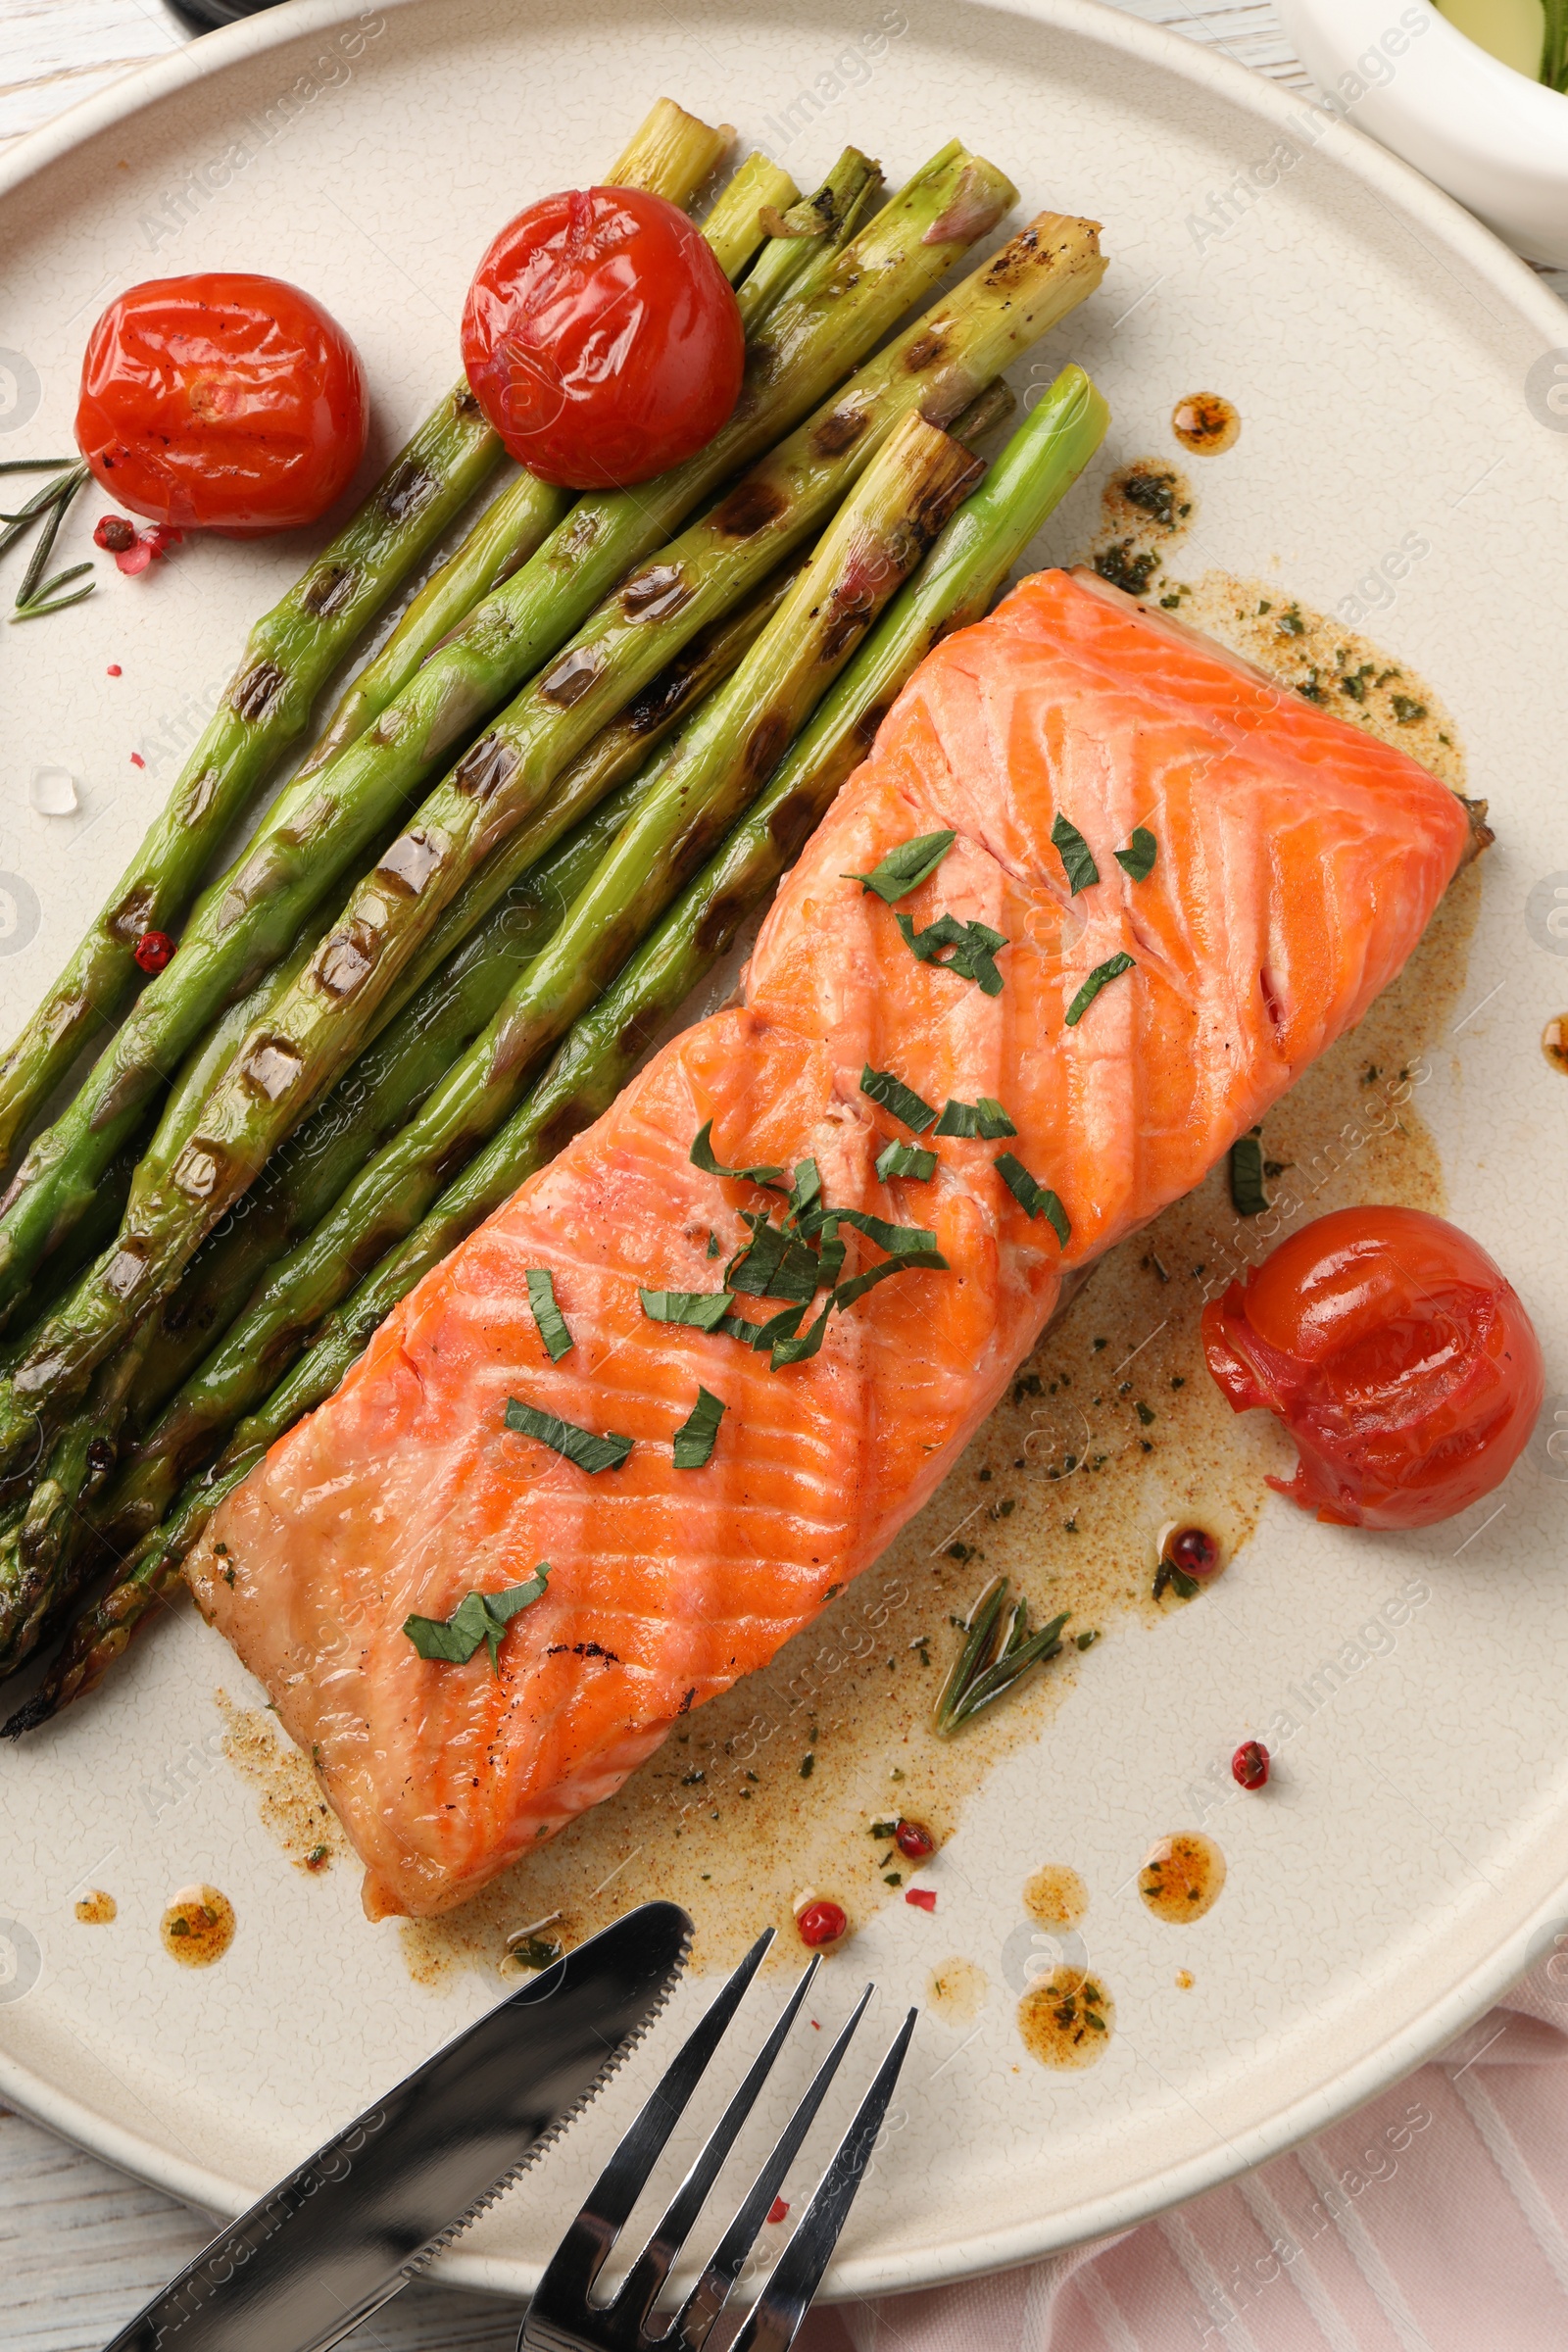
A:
[47,601]
[998,1653]
[47,508]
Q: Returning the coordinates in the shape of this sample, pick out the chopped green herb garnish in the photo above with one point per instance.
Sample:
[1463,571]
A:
[897,1239]
[694,1439]
[716,1248]
[1037,1200]
[905,1159]
[1103,973]
[808,1767]
[806,1190]
[1138,857]
[906,1262]
[1248,1196]
[478,1617]
[975,947]
[579,1446]
[793,1349]
[702,1156]
[905,867]
[775,1264]
[551,1322]
[902,1101]
[1075,853]
[985,1118]
[1168,1573]
[704,1309]
[759,1336]
[535,1951]
[1407,712]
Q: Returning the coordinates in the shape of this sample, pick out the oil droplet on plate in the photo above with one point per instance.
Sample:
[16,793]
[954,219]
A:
[957,1991]
[96,1909]
[1206,422]
[1067,2019]
[198,1926]
[1554,1042]
[1181,1877]
[1055,1896]
[1184,1980]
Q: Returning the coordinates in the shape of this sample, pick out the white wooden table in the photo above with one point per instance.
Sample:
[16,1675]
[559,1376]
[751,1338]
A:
[80,2248]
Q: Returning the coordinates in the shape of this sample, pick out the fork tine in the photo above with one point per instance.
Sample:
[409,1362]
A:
[580,2256]
[653,2264]
[779,2308]
[713,2291]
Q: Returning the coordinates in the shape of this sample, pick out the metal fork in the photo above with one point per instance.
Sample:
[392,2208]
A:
[561,2318]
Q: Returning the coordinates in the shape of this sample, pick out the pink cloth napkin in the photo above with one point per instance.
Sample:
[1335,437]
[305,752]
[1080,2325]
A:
[1433,2220]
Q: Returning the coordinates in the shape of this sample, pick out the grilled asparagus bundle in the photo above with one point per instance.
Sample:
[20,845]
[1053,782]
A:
[344,1056]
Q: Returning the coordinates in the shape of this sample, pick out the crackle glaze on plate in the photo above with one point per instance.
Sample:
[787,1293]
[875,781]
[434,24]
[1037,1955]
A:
[1392,366]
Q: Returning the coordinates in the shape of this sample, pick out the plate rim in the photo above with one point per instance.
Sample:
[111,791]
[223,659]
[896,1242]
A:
[1421,204]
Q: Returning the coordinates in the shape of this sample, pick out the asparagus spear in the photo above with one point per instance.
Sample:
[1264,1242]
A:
[815,227]
[42,1540]
[671,154]
[978,549]
[44,1552]
[391,1078]
[246,920]
[734,227]
[528,510]
[287,659]
[700,786]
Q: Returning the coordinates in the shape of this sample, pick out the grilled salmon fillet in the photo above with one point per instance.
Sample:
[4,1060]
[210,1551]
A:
[1297,862]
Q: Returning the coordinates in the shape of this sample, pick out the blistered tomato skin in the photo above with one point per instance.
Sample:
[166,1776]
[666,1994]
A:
[222,402]
[1396,1355]
[601,339]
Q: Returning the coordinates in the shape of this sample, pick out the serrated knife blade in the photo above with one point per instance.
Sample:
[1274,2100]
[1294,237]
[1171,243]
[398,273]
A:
[351,2225]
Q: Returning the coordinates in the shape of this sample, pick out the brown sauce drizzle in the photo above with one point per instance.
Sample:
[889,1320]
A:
[1182,1876]
[957,1991]
[198,1926]
[1206,424]
[294,1813]
[1067,2021]
[96,1909]
[1057,1896]
[1554,1042]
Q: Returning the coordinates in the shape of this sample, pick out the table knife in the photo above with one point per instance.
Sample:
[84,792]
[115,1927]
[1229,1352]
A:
[351,2225]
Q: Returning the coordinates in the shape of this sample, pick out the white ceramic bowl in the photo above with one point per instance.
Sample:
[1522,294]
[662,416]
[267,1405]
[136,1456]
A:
[1490,136]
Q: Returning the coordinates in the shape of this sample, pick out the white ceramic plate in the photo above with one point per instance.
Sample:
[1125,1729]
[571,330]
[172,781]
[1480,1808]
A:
[1392,364]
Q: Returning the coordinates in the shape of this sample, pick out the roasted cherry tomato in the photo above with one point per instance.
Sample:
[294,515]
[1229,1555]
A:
[222,402]
[1396,1353]
[602,338]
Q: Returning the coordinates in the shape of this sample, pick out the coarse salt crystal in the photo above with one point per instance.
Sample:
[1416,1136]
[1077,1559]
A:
[53,792]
